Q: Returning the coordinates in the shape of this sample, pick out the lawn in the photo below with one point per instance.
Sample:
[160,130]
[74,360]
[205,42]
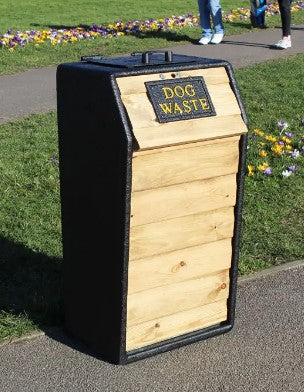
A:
[30,232]
[28,15]
[273,227]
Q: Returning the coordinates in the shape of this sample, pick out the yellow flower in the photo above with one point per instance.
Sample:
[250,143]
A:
[261,144]
[271,138]
[288,147]
[250,170]
[263,166]
[263,153]
[258,132]
[277,149]
[286,140]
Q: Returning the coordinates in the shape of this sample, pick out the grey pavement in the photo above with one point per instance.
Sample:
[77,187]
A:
[34,91]
[264,352]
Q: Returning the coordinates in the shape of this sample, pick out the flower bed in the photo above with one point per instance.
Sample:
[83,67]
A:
[280,154]
[118,28]
[11,40]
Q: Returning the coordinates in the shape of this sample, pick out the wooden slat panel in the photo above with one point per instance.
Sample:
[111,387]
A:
[136,84]
[166,300]
[183,199]
[178,266]
[149,133]
[142,115]
[176,324]
[186,145]
[189,131]
[174,165]
[180,233]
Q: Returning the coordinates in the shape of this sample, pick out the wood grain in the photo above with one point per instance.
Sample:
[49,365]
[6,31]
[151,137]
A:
[166,327]
[186,145]
[142,114]
[178,266]
[163,301]
[149,133]
[189,198]
[175,165]
[180,233]
[189,131]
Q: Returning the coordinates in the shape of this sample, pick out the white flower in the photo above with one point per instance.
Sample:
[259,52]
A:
[295,153]
[286,173]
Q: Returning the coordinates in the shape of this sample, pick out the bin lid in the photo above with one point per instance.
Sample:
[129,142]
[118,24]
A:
[142,59]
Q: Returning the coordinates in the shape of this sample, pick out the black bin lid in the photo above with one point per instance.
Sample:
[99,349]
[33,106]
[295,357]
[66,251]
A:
[142,59]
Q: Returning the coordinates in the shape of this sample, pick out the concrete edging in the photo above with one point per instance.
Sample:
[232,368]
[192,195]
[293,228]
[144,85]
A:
[21,339]
[271,271]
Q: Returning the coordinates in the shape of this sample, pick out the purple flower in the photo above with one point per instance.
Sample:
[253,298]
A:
[292,168]
[281,143]
[54,160]
[288,134]
[267,171]
[282,124]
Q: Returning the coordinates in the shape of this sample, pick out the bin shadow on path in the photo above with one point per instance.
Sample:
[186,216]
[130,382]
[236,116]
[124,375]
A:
[31,284]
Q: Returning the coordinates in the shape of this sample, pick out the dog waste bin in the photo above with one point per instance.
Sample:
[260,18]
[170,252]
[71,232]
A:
[152,154]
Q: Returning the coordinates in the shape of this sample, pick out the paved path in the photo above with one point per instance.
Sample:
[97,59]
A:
[34,91]
[264,352]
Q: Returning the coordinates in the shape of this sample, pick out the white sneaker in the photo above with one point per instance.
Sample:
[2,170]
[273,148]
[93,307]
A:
[204,40]
[283,44]
[217,38]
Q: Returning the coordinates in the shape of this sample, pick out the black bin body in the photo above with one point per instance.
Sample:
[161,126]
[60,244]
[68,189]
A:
[104,150]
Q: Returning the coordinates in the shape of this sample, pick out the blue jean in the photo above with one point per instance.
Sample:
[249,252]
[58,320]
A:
[213,9]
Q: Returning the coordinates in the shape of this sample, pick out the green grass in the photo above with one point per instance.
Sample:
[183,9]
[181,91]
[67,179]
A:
[15,326]
[30,244]
[274,206]
[30,258]
[26,14]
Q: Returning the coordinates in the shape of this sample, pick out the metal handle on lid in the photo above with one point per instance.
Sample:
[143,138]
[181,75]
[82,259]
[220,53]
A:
[145,56]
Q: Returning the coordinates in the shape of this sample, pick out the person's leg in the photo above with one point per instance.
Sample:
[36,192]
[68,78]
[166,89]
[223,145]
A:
[285,11]
[216,15]
[205,18]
